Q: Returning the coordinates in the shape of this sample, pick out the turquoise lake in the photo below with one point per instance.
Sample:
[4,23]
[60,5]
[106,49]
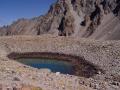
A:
[54,65]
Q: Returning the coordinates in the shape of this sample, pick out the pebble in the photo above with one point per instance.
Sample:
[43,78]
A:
[57,73]
[16,79]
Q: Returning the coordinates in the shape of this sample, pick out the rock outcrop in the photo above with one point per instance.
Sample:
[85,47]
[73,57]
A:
[96,19]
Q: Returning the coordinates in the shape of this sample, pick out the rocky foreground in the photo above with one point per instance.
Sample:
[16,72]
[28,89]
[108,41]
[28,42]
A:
[14,75]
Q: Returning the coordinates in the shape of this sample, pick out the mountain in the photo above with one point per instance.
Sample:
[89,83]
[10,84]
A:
[94,19]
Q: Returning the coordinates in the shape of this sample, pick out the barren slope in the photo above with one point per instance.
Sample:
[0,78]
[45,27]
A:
[105,55]
[96,19]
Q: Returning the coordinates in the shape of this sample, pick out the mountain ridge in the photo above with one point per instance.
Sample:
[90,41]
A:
[96,19]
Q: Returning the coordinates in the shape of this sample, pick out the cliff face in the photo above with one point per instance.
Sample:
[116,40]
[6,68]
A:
[96,19]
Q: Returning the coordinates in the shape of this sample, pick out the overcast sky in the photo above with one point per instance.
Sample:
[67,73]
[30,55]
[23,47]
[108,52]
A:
[11,10]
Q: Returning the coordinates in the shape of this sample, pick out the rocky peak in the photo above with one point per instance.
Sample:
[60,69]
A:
[79,18]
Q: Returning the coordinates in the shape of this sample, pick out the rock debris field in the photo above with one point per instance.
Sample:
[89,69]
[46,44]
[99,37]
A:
[105,55]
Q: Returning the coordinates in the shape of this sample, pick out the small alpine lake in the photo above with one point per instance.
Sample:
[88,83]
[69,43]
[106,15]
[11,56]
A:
[52,64]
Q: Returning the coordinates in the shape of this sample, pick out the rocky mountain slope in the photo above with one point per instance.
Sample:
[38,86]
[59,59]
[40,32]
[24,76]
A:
[95,19]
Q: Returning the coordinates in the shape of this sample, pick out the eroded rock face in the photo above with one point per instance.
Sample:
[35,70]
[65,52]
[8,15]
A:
[85,19]
[66,27]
